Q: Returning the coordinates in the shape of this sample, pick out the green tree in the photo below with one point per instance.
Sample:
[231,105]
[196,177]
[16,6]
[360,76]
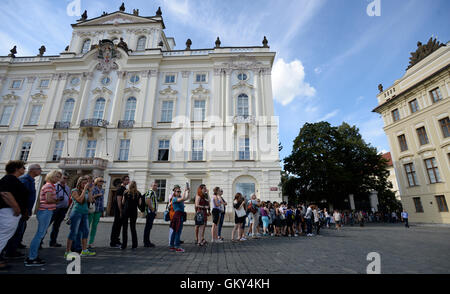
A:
[332,162]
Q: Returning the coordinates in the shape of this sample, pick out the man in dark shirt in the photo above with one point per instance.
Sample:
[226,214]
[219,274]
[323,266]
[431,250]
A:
[117,204]
[34,170]
[13,204]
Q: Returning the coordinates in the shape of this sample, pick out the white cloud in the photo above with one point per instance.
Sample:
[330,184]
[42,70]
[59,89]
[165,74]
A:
[317,70]
[288,81]
[329,115]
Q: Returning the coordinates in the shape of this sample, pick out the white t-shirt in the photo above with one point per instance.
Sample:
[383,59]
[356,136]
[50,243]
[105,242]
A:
[337,216]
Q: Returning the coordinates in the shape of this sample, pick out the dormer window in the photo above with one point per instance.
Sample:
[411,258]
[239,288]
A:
[86,46]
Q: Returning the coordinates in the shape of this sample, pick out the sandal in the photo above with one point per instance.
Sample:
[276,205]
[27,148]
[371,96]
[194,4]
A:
[203,242]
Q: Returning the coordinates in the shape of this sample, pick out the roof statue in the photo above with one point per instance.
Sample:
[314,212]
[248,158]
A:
[136,12]
[161,44]
[104,13]
[188,44]
[42,51]
[13,52]
[84,16]
[265,42]
[380,87]
[122,7]
[159,12]
[423,51]
[123,45]
[218,42]
[67,48]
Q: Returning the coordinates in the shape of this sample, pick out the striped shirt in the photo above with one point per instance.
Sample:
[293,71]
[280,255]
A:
[47,188]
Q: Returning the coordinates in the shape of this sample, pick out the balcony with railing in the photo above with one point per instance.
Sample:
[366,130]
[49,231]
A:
[94,123]
[83,163]
[61,125]
[125,124]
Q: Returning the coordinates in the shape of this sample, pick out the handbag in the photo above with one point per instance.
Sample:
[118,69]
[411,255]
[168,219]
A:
[91,208]
[199,219]
[240,212]
[184,216]
[167,213]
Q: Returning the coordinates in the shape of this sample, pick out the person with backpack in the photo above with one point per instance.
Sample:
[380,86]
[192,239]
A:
[130,203]
[151,210]
[94,218]
[264,212]
[290,218]
[277,220]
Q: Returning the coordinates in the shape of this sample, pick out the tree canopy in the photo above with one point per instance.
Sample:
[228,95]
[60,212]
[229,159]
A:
[329,163]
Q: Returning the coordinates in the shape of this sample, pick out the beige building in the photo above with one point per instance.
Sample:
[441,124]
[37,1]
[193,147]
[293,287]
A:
[392,176]
[415,111]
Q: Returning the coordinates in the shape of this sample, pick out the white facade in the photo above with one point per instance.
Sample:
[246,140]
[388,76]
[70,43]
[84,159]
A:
[79,113]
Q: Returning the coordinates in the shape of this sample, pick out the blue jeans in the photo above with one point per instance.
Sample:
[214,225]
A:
[78,223]
[175,237]
[308,226]
[43,217]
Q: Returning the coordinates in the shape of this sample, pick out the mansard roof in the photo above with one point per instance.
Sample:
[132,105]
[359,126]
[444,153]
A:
[119,17]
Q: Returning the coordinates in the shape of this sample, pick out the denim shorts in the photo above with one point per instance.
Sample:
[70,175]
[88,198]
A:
[78,223]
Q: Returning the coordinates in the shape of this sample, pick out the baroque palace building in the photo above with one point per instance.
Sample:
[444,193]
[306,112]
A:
[120,100]
[416,111]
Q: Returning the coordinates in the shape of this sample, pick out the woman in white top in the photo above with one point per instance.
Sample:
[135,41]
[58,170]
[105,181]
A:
[337,219]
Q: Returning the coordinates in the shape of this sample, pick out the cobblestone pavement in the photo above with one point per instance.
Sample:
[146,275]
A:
[409,251]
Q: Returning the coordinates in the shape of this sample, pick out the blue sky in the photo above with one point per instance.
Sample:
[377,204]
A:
[331,55]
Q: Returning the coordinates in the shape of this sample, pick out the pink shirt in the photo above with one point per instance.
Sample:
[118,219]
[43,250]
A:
[47,188]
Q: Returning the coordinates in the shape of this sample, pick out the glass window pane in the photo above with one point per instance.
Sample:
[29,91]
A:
[34,116]
[6,115]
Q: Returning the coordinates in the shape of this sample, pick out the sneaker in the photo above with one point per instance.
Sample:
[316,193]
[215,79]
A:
[296,235]
[219,241]
[91,246]
[34,262]
[173,249]
[272,234]
[243,239]
[115,246]
[179,250]
[88,253]
[66,253]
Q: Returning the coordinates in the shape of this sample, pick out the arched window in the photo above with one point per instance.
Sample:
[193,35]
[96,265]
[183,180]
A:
[242,105]
[141,44]
[86,46]
[130,108]
[99,108]
[67,110]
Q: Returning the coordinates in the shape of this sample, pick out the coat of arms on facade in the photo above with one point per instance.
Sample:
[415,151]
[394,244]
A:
[107,54]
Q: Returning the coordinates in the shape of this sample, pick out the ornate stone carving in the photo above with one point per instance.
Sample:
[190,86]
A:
[11,98]
[121,74]
[242,84]
[423,51]
[149,73]
[131,90]
[217,71]
[71,92]
[87,76]
[200,91]
[168,91]
[102,91]
[60,76]
[185,74]
[39,97]
[107,54]
[136,12]
[122,44]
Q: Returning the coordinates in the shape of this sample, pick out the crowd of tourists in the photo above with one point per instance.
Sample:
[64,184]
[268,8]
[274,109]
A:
[82,207]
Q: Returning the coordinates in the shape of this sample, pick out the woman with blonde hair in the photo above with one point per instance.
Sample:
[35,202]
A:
[130,201]
[47,204]
[81,196]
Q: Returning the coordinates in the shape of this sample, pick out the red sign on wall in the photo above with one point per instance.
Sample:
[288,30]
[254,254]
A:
[273,188]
